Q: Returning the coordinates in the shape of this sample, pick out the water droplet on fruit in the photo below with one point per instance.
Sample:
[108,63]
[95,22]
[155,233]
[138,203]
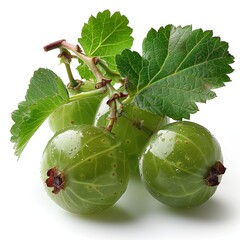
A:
[187,157]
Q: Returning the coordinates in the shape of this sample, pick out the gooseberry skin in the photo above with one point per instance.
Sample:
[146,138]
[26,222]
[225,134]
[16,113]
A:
[79,112]
[94,167]
[126,130]
[176,163]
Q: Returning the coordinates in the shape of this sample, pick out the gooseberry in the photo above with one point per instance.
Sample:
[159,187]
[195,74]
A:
[133,128]
[84,169]
[79,112]
[181,165]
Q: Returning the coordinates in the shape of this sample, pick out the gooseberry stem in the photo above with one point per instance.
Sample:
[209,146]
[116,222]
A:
[73,82]
[89,94]
[112,117]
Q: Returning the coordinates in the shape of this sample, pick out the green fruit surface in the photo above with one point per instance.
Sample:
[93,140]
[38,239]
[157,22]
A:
[133,138]
[94,166]
[79,112]
[176,162]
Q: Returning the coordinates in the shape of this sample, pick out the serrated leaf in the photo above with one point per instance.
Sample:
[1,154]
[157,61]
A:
[179,67]
[46,93]
[104,36]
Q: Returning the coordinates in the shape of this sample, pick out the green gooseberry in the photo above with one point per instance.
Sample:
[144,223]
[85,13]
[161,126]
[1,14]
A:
[84,169]
[79,112]
[182,164]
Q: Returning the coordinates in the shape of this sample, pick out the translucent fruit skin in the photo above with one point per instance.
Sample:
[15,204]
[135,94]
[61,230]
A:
[132,138]
[74,113]
[94,166]
[176,162]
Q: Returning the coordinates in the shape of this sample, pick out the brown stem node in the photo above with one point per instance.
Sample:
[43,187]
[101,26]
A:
[75,88]
[103,83]
[116,96]
[78,49]
[66,55]
[95,60]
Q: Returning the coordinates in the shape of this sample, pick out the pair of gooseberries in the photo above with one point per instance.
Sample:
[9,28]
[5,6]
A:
[86,169]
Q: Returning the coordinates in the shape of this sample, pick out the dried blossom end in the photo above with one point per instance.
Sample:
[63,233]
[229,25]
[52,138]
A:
[55,179]
[212,178]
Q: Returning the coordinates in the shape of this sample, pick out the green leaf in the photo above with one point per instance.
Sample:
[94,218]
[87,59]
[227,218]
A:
[104,36]
[46,93]
[178,68]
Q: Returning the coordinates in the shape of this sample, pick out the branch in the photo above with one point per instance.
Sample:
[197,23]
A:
[103,84]
[89,61]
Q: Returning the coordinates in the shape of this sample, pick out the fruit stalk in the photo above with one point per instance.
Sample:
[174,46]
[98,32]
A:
[85,95]
[66,59]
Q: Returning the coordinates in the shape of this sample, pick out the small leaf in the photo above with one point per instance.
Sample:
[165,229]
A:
[46,92]
[104,36]
[179,67]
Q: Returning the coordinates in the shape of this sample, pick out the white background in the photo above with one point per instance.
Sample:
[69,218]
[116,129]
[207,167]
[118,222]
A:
[26,211]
